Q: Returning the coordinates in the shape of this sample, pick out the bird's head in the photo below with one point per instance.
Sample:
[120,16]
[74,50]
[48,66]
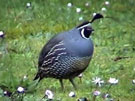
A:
[86,29]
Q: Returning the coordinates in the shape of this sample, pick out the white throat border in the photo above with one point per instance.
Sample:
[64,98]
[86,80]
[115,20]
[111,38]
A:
[82,34]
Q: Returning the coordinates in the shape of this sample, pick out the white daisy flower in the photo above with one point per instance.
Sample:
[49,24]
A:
[28,4]
[49,94]
[106,95]
[103,9]
[20,89]
[94,14]
[80,19]
[97,81]
[5,92]
[113,81]
[72,94]
[96,93]
[107,2]
[133,81]
[25,77]
[87,4]
[69,4]
[1,34]
[78,10]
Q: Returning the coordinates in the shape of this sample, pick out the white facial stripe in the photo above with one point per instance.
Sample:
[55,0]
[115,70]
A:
[82,33]
[89,24]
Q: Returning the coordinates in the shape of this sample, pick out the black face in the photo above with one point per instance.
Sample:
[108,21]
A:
[85,28]
[87,31]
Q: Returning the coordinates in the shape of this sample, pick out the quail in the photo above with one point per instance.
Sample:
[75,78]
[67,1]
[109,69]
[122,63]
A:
[67,54]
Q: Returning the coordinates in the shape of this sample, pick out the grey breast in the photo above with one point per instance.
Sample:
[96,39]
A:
[67,56]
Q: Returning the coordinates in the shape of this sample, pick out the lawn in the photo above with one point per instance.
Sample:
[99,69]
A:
[28,24]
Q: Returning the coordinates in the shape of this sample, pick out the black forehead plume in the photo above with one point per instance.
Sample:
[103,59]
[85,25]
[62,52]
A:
[87,23]
[97,16]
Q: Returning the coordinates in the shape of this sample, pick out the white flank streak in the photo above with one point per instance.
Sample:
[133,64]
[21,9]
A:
[60,43]
[60,55]
[55,50]
[48,61]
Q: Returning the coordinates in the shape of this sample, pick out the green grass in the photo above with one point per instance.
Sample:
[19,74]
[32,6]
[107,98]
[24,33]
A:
[28,29]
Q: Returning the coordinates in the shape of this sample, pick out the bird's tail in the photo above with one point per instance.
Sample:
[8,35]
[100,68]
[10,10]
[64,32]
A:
[38,76]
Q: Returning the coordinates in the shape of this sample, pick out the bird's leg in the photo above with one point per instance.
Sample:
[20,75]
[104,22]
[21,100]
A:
[80,80]
[61,83]
[71,80]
